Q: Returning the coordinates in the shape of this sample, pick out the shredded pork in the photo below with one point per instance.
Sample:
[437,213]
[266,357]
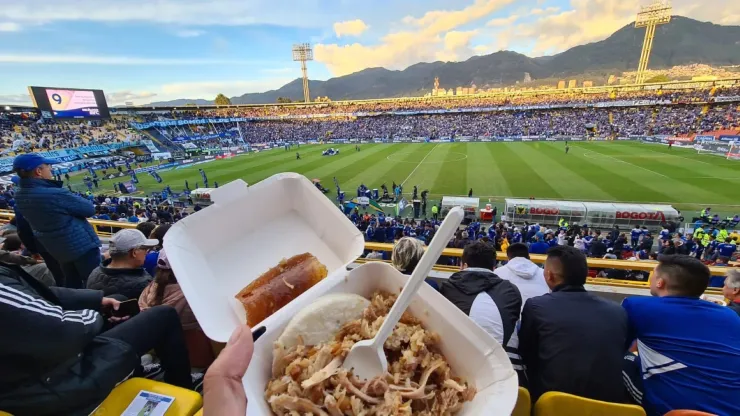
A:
[309,380]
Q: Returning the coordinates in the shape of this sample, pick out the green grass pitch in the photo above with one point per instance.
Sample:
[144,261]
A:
[592,171]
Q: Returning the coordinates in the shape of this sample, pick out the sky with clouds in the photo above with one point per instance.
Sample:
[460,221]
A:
[155,50]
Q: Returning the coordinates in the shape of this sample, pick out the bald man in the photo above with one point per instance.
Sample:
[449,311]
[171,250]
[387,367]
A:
[570,340]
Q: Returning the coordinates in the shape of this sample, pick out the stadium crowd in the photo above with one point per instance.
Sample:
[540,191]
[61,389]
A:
[602,122]
[510,98]
[27,132]
[66,346]
[68,341]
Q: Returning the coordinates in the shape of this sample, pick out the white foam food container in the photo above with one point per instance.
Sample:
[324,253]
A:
[471,352]
[219,250]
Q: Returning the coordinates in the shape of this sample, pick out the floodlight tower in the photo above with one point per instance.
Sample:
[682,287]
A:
[649,17]
[303,52]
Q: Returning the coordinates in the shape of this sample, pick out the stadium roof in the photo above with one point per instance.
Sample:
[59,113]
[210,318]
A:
[17,109]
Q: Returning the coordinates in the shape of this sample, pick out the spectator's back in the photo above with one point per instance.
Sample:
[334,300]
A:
[570,340]
[526,276]
[689,348]
[689,351]
[58,217]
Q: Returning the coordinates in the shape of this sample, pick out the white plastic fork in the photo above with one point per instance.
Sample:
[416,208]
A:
[366,358]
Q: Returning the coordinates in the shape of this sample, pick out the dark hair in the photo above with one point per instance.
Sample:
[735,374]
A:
[479,254]
[162,278]
[146,228]
[684,275]
[573,264]
[159,233]
[12,242]
[25,174]
[517,250]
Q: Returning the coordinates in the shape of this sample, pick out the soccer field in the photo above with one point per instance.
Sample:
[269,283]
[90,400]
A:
[592,171]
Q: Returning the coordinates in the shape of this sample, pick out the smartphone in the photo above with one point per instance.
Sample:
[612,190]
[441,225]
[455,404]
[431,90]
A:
[127,308]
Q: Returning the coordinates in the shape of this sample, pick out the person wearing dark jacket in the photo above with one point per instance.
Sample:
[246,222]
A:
[491,302]
[59,359]
[570,340]
[598,248]
[647,243]
[58,218]
[25,233]
[619,244]
[124,273]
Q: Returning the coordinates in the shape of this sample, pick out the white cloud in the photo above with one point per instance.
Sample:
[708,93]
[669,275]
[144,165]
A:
[350,28]
[121,97]
[457,45]
[723,12]
[503,21]
[189,33]
[177,90]
[537,11]
[438,21]
[587,21]
[209,89]
[429,37]
[22,99]
[183,12]
[9,27]
[593,20]
[113,60]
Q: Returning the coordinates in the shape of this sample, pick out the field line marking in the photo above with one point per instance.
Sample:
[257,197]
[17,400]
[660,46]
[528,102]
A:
[417,166]
[621,161]
[682,157]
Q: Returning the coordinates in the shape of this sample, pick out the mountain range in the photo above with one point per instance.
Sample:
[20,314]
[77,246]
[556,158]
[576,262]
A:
[682,41]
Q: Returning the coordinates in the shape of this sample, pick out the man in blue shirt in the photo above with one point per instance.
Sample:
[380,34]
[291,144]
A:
[492,233]
[726,249]
[516,237]
[540,247]
[711,249]
[689,348]
[635,235]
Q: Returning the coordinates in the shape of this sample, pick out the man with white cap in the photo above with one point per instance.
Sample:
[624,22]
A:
[124,273]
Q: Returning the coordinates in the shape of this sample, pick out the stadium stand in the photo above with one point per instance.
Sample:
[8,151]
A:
[51,332]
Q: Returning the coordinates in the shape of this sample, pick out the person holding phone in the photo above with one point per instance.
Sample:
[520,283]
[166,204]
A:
[64,350]
[164,290]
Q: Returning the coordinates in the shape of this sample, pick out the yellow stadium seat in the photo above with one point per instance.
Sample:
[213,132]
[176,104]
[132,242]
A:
[187,402]
[4,413]
[523,403]
[558,404]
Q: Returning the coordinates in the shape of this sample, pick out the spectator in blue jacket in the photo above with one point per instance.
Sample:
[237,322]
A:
[58,218]
[689,348]
[540,247]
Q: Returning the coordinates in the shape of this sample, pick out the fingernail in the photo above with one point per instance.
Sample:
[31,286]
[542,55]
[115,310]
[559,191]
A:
[257,333]
[236,335]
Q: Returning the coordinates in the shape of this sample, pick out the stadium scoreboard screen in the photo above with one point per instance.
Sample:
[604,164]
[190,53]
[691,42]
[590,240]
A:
[70,103]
